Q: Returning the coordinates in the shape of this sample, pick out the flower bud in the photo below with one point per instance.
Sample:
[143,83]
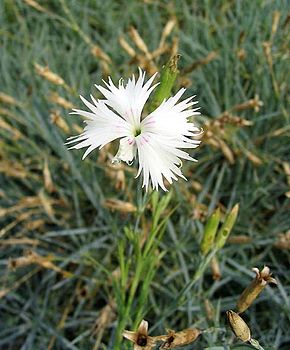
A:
[238,326]
[226,228]
[210,232]
[167,78]
[254,289]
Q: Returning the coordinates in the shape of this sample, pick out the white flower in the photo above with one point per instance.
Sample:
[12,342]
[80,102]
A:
[157,139]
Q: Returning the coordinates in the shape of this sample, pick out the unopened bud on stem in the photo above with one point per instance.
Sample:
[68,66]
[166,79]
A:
[210,232]
[168,76]
[226,228]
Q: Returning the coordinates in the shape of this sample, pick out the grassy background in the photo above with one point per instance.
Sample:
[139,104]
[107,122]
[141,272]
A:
[54,205]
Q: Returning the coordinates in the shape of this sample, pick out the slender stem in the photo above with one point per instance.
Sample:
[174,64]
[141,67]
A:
[198,273]
[214,329]
[123,318]
[178,301]
[256,344]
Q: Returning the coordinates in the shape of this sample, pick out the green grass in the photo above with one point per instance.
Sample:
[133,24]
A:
[70,223]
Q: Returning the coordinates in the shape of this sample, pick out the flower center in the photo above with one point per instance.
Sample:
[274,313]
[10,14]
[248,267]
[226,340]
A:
[142,340]
[137,132]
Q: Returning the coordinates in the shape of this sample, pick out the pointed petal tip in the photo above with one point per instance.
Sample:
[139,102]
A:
[132,336]
[143,328]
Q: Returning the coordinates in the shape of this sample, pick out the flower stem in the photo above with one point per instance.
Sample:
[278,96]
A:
[256,344]
[179,301]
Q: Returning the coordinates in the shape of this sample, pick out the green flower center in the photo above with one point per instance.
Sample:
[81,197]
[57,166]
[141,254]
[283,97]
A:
[137,132]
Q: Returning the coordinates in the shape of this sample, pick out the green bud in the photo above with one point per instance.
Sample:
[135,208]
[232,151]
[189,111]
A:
[210,232]
[168,76]
[226,228]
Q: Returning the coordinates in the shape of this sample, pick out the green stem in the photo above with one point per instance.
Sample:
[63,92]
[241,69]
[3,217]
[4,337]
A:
[124,315]
[178,301]
[198,273]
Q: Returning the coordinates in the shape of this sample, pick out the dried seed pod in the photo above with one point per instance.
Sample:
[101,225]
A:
[141,339]
[255,288]
[238,326]
[177,339]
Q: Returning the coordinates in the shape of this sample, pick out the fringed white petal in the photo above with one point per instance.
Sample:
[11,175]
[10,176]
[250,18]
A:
[127,150]
[158,158]
[103,126]
[128,100]
[171,118]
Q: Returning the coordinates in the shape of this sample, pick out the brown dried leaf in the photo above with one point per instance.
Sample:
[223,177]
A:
[241,239]
[126,46]
[15,132]
[99,53]
[253,158]
[201,62]
[37,6]
[140,43]
[46,204]
[57,99]
[48,184]
[47,74]
[116,204]
[13,169]
[58,120]
[4,98]
[215,268]
[167,30]
[21,241]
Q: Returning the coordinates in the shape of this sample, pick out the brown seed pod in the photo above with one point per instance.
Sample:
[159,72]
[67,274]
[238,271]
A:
[238,326]
[255,288]
[141,339]
[177,339]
